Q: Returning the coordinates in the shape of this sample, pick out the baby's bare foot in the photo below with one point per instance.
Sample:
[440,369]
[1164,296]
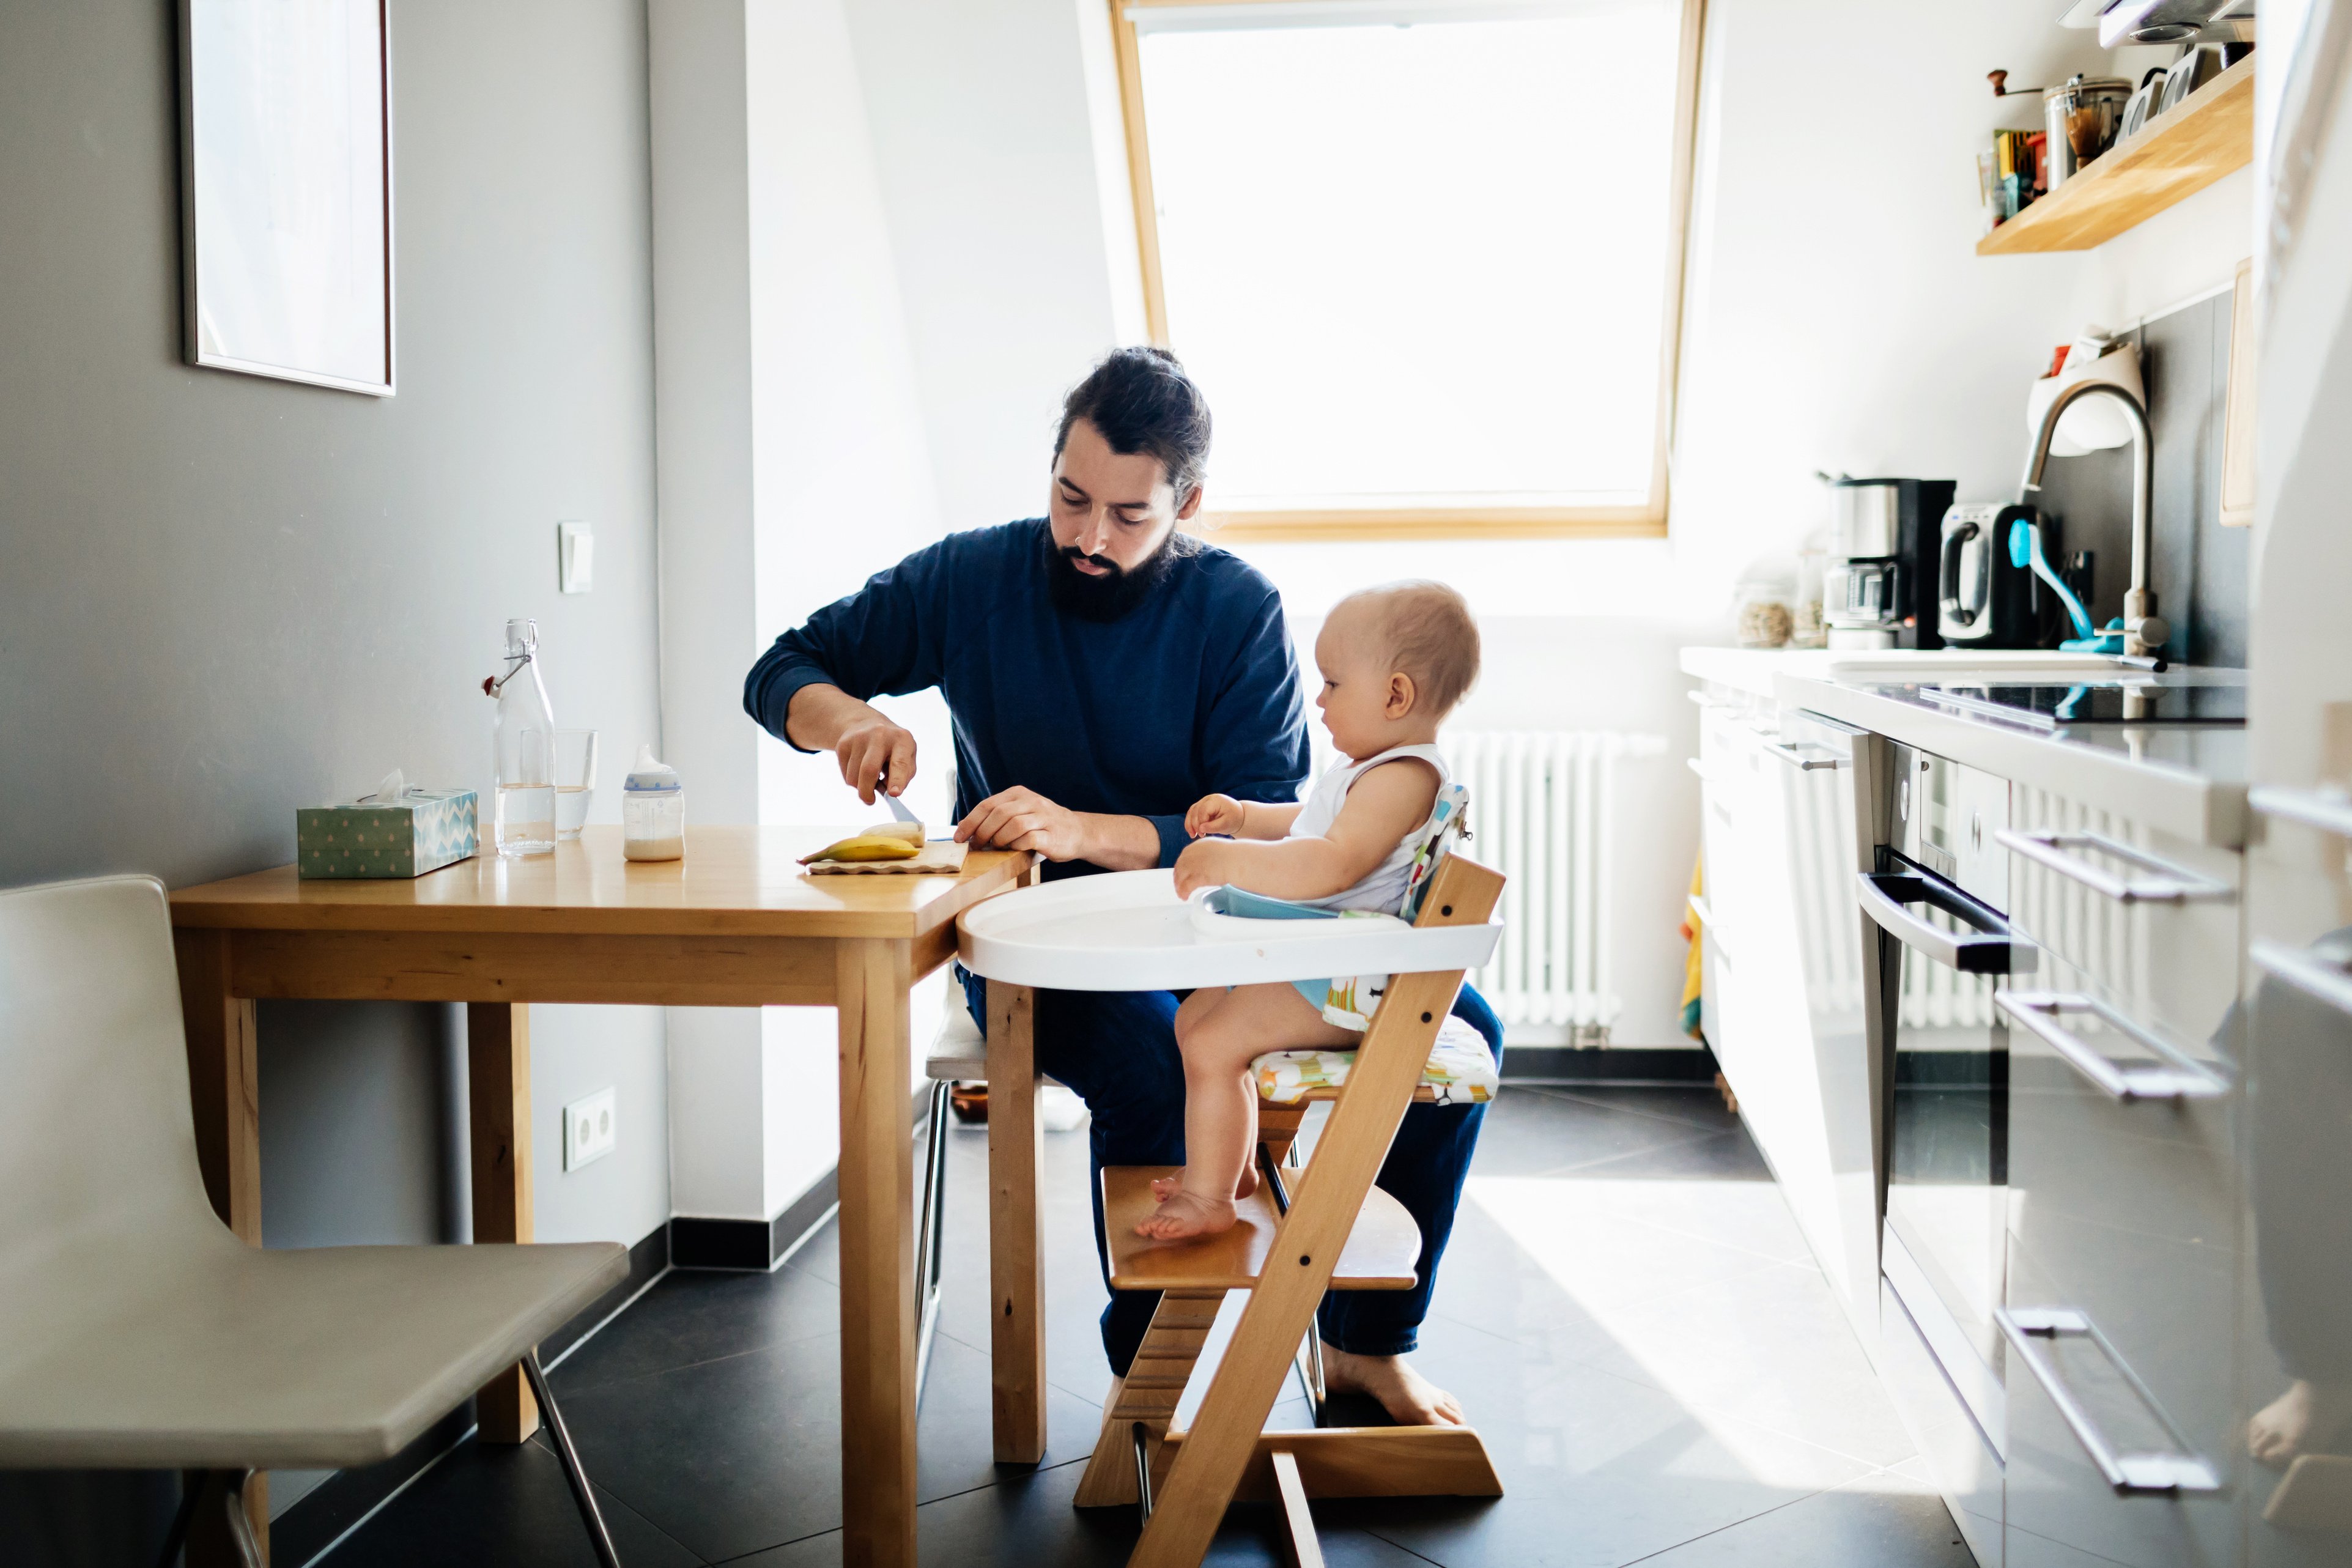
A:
[1166,1187]
[2303,1420]
[1182,1214]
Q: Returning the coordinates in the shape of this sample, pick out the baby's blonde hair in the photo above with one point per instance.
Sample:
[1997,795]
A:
[1427,632]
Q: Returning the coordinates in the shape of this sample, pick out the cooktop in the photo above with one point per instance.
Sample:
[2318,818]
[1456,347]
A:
[2053,707]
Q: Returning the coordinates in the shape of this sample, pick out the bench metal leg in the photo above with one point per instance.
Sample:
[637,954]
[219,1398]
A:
[590,1514]
[241,1528]
[931,1235]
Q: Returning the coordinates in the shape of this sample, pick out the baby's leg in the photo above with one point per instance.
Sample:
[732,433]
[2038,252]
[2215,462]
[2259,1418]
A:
[1221,1103]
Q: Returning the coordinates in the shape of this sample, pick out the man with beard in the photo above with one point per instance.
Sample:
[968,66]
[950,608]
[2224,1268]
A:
[1103,672]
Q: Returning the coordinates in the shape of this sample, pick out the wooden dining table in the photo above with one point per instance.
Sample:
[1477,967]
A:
[735,923]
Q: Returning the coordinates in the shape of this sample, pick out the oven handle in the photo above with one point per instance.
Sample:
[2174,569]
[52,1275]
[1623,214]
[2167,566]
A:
[2177,1078]
[2168,885]
[1990,948]
[2131,1475]
[2305,970]
[1797,759]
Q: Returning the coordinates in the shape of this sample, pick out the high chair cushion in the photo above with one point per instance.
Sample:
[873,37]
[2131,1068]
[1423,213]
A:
[1461,1071]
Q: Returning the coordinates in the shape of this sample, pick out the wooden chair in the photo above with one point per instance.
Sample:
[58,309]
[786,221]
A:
[1338,1231]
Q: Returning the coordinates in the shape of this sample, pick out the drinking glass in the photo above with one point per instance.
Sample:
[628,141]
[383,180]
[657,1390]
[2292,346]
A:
[575,780]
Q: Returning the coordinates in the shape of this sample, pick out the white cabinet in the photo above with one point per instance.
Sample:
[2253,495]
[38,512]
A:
[1784,974]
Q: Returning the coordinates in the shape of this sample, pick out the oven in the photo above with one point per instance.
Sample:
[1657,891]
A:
[1935,903]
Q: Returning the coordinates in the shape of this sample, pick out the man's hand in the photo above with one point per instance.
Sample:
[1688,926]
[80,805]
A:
[1206,863]
[1021,818]
[875,751]
[1215,814]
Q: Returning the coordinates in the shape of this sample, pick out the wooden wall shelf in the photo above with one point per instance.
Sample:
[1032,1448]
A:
[2174,156]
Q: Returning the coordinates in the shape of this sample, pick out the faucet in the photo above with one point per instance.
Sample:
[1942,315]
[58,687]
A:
[2145,631]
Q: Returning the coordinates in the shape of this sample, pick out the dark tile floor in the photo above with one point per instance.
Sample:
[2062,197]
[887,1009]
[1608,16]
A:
[1627,1311]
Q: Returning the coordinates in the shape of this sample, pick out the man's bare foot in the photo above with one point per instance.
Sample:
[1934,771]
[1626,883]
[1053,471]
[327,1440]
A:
[1182,1215]
[1410,1399]
[1166,1187]
[2306,1417]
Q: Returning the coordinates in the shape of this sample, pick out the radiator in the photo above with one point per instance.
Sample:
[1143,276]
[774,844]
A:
[1543,813]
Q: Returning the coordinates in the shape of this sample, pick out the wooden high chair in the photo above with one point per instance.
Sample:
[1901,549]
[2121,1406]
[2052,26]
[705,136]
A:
[1338,1231]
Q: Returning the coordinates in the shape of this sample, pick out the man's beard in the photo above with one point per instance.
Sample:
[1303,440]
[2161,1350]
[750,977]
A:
[1118,590]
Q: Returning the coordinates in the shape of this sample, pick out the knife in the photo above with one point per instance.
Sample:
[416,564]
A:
[897,807]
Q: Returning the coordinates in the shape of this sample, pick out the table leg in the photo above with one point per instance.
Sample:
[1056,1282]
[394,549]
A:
[1016,1263]
[498,1092]
[221,1083]
[877,1255]
[226,1100]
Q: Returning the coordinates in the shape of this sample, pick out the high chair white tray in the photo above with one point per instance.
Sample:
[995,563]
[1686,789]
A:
[1128,930]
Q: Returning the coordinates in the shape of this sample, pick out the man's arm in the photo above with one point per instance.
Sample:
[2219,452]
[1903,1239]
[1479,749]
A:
[1021,818]
[869,747]
[809,689]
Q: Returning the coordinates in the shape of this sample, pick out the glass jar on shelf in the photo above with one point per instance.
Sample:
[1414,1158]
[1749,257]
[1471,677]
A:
[1763,603]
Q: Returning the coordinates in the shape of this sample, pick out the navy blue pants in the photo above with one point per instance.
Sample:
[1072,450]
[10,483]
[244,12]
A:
[1117,1050]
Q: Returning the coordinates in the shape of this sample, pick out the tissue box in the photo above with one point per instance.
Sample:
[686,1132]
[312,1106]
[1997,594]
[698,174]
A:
[427,830]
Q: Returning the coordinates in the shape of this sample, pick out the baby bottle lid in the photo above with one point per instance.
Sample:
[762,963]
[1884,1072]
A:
[649,774]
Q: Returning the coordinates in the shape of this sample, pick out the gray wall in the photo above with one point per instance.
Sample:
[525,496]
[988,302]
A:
[222,597]
[2197,566]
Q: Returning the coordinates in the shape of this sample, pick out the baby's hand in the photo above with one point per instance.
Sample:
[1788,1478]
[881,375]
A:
[1201,864]
[1214,814]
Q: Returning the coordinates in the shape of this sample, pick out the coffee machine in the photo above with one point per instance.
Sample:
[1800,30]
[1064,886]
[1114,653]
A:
[1879,589]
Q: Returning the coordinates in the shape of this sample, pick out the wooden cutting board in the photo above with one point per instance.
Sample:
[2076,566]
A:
[940,858]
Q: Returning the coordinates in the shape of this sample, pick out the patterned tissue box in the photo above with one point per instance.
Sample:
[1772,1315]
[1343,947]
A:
[427,830]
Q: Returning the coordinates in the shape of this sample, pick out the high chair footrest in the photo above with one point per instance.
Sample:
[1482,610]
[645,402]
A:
[1380,1251]
[1363,1461]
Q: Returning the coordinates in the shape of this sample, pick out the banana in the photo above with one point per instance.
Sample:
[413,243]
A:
[884,841]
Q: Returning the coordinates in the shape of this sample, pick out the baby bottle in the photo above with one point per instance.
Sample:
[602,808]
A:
[652,811]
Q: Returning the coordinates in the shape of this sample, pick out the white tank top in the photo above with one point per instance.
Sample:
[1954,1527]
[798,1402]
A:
[1384,889]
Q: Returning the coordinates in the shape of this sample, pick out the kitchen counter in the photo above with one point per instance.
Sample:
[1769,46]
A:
[2187,779]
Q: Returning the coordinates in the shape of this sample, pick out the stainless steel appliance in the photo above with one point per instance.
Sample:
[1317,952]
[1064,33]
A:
[2051,707]
[1983,598]
[1943,949]
[1878,588]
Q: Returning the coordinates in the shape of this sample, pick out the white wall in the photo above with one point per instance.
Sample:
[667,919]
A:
[793,464]
[984,145]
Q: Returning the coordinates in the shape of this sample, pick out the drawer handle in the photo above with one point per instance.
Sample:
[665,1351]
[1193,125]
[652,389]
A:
[2167,883]
[1988,948]
[2305,970]
[2330,811]
[2027,1329]
[1789,754]
[2176,1077]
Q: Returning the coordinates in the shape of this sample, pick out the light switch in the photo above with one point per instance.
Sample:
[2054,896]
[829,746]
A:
[575,557]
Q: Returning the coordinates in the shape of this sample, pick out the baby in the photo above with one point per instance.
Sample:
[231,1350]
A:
[1394,660]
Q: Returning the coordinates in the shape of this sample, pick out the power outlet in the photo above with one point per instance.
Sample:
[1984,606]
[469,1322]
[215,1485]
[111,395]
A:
[589,1129]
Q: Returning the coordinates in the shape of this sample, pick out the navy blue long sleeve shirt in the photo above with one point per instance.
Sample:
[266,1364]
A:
[1193,692]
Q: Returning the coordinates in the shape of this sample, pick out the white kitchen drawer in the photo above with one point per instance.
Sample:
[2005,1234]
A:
[2152,917]
[2158,1422]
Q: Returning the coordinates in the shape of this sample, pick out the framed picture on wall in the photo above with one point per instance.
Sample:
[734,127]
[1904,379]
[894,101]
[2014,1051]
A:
[286,190]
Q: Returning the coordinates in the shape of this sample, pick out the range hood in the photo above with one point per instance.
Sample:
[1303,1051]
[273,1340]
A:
[2164,21]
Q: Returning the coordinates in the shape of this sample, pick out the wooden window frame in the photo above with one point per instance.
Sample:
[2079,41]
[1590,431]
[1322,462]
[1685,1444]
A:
[1645,521]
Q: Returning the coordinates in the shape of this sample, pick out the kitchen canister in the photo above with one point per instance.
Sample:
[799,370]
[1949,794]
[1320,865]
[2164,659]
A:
[2082,116]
